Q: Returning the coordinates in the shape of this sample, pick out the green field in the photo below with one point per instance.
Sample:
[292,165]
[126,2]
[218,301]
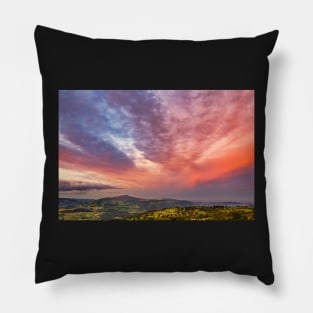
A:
[191,213]
[78,215]
[197,213]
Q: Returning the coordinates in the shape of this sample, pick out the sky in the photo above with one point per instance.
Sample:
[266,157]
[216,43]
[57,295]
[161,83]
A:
[184,144]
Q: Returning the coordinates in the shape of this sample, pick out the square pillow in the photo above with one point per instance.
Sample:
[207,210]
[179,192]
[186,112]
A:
[154,155]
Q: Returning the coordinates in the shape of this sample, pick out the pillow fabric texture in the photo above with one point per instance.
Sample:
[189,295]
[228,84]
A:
[154,155]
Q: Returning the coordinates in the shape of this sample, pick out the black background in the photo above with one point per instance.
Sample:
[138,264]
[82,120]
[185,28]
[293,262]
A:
[72,62]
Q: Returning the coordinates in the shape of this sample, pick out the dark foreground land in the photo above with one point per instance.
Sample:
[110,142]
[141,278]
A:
[126,208]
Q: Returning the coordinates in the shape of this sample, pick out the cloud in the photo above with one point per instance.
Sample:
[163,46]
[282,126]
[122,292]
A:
[110,129]
[236,185]
[67,186]
[142,113]
[154,139]
[94,153]
[84,127]
[175,127]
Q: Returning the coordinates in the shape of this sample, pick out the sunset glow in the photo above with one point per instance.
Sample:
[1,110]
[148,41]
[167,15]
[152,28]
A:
[183,144]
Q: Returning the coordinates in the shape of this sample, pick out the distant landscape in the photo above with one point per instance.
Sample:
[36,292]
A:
[128,208]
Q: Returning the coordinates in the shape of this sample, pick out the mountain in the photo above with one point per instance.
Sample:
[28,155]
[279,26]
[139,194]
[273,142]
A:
[125,206]
[139,203]
[222,203]
[69,202]
[118,207]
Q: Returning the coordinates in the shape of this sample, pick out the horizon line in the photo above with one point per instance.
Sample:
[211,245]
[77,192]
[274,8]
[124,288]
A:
[165,198]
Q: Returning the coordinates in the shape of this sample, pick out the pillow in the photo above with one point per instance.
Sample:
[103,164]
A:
[154,155]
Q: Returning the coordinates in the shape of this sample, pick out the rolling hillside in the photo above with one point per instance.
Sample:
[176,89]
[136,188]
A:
[69,202]
[196,213]
[138,209]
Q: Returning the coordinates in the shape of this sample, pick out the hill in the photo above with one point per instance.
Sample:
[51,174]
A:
[126,207]
[69,202]
[112,207]
[138,203]
[196,213]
